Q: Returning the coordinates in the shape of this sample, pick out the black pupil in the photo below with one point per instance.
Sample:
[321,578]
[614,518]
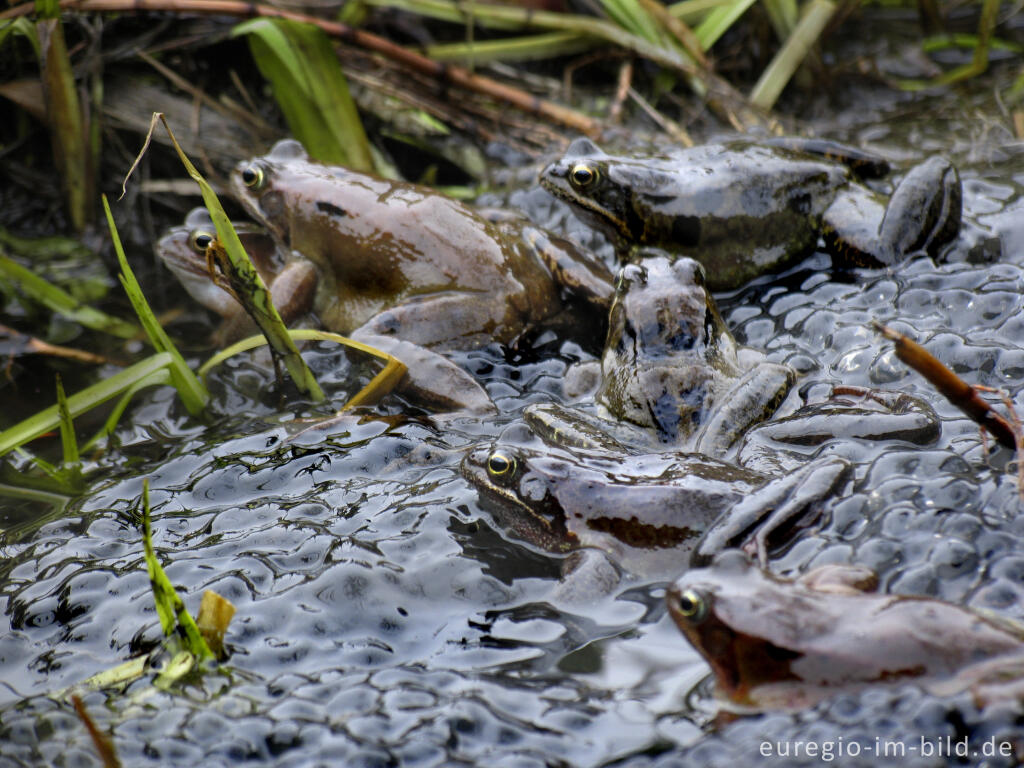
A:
[203,242]
[582,175]
[498,464]
[249,176]
[687,605]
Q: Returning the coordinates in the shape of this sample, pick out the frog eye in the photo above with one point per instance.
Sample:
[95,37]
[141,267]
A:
[692,606]
[200,240]
[628,275]
[583,175]
[252,177]
[500,465]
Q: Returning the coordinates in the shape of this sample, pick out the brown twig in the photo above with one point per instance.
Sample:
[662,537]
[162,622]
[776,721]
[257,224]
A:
[444,72]
[104,746]
[961,394]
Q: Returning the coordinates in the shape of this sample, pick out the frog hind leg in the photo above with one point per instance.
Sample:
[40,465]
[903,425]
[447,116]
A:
[923,214]
[782,502]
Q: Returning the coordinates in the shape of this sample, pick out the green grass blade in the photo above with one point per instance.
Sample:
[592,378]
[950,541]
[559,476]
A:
[247,283]
[526,48]
[694,11]
[381,384]
[303,70]
[64,114]
[23,27]
[191,391]
[717,22]
[156,379]
[767,89]
[80,402]
[169,606]
[62,302]
[67,428]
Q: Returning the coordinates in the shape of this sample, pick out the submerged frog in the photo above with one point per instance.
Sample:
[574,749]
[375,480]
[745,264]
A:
[745,209]
[774,643]
[647,511]
[400,259]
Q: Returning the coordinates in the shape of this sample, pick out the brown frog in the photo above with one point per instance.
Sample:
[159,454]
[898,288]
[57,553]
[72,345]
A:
[775,643]
[400,259]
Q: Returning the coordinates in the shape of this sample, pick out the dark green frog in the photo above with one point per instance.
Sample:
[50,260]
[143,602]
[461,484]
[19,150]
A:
[745,209]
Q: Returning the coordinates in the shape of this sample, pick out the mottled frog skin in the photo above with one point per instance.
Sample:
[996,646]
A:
[400,259]
[775,643]
[749,208]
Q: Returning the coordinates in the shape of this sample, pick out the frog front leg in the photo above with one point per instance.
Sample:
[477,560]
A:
[780,502]
[923,214]
[752,399]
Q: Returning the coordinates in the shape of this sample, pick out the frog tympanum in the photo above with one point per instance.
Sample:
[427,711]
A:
[775,643]
[749,208]
[400,259]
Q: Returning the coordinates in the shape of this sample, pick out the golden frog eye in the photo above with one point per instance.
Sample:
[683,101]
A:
[253,177]
[500,465]
[200,240]
[583,175]
[692,606]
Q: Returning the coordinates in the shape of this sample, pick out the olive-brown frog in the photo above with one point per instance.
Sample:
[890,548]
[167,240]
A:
[400,259]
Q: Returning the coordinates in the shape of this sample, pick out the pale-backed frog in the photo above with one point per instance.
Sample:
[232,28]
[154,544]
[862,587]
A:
[400,259]
[749,208]
[776,643]
[647,511]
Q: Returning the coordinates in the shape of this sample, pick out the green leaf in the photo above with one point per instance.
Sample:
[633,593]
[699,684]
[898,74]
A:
[174,617]
[67,428]
[768,87]
[62,302]
[302,67]
[65,117]
[191,391]
[245,280]
[717,22]
[80,402]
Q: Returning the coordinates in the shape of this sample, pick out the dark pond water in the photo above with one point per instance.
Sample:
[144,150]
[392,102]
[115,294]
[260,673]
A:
[382,620]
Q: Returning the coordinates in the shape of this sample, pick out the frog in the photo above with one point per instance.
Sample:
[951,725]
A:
[672,368]
[431,380]
[646,511]
[775,643]
[747,208]
[673,377]
[399,259]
